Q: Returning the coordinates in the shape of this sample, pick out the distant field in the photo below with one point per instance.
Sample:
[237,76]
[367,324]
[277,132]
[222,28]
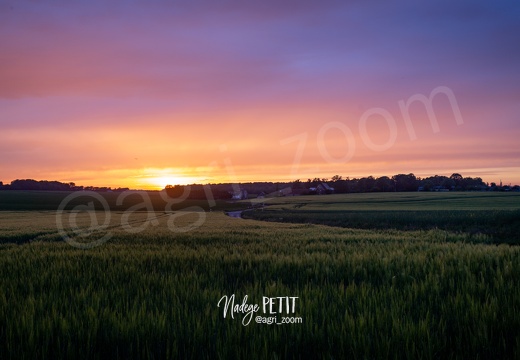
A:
[19,200]
[376,293]
[495,215]
[401,201]
[50,200]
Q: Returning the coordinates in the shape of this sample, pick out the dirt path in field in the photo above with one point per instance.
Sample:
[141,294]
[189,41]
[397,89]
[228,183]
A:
[235,214]
[238,213]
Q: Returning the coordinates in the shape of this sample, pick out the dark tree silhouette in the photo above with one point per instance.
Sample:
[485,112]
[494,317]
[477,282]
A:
[405,182]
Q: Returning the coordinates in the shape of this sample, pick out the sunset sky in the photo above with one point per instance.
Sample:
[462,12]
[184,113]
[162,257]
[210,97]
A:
[142,94]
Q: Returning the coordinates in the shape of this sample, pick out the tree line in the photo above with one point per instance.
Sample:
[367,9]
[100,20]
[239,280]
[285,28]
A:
[44,185]
[403,182]
[339,184]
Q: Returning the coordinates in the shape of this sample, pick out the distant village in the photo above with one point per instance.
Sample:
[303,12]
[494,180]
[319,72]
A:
[335,185]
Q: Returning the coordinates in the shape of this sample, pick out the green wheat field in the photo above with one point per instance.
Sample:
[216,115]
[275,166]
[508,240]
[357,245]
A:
[377,276]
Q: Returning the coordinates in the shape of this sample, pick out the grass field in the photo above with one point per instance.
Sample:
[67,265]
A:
[382,292]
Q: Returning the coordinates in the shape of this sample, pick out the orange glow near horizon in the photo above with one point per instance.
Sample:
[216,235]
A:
[158,179]
[304,147]
[143,158]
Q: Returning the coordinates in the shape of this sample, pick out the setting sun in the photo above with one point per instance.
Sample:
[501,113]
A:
[158,179]
[162,181]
